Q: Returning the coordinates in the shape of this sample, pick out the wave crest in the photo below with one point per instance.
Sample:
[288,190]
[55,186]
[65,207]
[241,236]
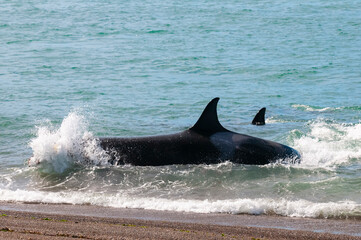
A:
[256,206]
[328,144]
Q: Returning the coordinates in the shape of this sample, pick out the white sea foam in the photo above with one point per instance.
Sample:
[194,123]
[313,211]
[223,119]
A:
[329,144]
[55,150]
[298,208]
[314,109]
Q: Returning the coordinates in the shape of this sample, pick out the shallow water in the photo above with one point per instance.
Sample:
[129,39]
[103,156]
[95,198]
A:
[77,70]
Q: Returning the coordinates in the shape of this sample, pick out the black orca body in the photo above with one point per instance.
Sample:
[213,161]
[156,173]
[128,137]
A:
[207,142]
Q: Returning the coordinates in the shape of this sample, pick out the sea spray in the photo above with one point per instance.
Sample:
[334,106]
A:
[329,144]
[55,150]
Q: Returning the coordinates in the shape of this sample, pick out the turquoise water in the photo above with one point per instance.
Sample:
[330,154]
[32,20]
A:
[76,70]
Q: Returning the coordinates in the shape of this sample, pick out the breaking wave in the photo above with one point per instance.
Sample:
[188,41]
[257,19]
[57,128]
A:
[328,144]
[257,206]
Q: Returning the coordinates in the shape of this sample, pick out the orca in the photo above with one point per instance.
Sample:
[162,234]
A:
[207,142]
[259,118]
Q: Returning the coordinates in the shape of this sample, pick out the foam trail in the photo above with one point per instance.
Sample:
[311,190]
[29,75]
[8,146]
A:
[59,149]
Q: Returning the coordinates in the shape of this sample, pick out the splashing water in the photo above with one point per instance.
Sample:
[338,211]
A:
[329,144]
[330,152]
[57,150]
[324,144]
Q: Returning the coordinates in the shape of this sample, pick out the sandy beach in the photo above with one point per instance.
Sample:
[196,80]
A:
[44,221]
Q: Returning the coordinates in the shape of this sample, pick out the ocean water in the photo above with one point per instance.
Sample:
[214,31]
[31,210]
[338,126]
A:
[76,70]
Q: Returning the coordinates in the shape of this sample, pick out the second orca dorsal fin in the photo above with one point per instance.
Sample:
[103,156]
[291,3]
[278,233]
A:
[259,118]
[208,122]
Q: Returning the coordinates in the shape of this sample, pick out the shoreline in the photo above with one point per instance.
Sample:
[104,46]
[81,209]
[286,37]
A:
[45,221]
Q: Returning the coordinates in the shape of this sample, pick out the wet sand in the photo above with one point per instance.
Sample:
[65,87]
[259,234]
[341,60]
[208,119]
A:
[44,221]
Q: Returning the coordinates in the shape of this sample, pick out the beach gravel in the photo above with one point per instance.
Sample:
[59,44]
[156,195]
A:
[35,225]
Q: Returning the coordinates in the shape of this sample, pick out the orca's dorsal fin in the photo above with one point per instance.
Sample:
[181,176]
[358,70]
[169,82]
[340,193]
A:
[208,122]
[259,118]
